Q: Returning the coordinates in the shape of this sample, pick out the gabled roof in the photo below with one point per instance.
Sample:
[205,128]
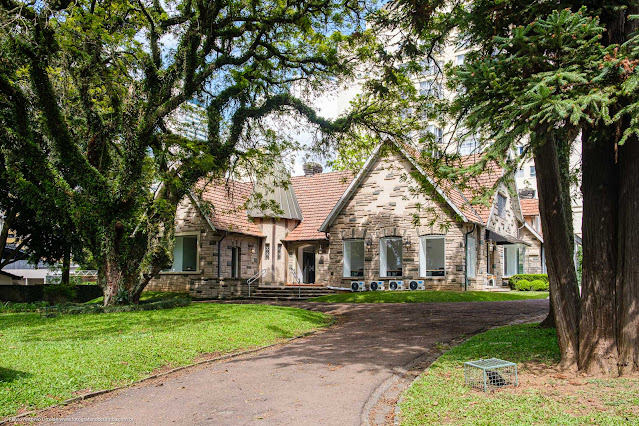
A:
[271,188]
[228,200]
[451,194]
[12,276]
[529,206]
[316,196]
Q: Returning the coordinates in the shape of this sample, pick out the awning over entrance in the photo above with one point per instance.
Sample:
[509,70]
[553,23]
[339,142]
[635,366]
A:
[502,239]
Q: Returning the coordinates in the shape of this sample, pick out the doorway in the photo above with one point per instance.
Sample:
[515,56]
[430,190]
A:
[308,265]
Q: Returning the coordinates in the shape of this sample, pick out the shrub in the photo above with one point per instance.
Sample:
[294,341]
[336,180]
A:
[512,281]
[59,293]
[539,285]
[522,285]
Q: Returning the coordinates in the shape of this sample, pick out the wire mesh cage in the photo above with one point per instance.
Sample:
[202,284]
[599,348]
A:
[490,374]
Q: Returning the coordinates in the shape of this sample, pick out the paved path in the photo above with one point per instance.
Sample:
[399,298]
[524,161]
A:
[331,378]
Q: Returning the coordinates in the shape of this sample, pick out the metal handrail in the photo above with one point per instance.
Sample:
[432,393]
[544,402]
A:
[254,278]
[299,282]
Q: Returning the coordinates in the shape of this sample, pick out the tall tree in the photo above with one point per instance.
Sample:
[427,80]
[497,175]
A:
[93,83]
[539,74]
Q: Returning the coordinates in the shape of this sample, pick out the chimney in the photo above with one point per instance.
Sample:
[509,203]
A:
[526,193]
[311,169]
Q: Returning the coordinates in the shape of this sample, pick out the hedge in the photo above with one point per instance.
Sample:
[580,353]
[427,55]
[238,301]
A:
[528,277]
[539,285]
[522,285]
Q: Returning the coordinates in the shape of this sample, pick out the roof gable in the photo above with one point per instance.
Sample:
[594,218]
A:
[228,200]
[453,196]
[317,195]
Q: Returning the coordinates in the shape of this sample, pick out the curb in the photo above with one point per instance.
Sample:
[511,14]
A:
[12,419]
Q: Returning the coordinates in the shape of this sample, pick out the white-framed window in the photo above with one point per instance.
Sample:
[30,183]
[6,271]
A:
[469,146]
[434,132]
[432,256]
[471,256]
[390,257]
[431,88]
[459,60]
[513,261]
[533,171]
[353,258]
[185,253]
[519,173]
[501,205]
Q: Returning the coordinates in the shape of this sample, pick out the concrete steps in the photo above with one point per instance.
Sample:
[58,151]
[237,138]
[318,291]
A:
[289,293]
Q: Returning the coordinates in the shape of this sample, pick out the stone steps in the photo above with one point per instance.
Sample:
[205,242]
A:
[289,293]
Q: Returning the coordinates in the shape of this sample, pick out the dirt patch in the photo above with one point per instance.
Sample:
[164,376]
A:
[581,394]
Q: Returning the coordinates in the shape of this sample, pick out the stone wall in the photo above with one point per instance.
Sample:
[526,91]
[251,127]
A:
[190,221]
[507,224]
[387,203]
[533,258]
[214,288]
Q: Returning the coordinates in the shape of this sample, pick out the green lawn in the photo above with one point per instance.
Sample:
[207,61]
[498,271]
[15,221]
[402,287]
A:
[544,396]
[44,361]
[429,296]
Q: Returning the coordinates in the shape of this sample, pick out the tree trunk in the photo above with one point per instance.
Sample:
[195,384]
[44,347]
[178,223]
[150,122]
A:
[598,347]
[628,263]
[549,322]
[66,266]
[558,243]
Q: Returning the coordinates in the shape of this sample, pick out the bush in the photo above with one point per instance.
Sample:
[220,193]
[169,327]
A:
[523,285]
[539,285]
[512,281]
[59,293]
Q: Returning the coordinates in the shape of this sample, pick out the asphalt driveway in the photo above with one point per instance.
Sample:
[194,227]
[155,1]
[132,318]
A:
[347,375]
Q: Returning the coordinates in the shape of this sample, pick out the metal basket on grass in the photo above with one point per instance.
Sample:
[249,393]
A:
[490,374]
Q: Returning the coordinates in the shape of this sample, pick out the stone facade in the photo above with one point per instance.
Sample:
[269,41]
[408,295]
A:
[386,204]
[533,262]
[190,221]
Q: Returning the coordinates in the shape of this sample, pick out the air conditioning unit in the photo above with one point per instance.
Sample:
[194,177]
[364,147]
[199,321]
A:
[416,285]
[396,285]
[376,285]
[358,286]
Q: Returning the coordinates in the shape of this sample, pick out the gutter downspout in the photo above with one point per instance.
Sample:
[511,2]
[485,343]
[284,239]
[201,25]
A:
[219,255]
[466,255]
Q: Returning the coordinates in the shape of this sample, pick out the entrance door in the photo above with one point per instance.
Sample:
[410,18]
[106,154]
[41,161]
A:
[308,267]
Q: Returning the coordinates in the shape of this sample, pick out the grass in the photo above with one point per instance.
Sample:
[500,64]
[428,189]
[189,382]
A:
[45,361]
[428,296]
[439,396]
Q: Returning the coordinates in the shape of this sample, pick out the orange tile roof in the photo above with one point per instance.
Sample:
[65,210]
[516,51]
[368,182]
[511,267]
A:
[317,195]
[475,185]
[458,198]
[228,201]
[530,207]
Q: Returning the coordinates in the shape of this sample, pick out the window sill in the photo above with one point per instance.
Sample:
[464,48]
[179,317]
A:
[180,273]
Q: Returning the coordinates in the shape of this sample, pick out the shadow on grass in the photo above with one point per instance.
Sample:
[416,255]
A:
[8,375]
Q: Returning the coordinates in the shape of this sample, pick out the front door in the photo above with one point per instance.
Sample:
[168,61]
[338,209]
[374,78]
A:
[308,267]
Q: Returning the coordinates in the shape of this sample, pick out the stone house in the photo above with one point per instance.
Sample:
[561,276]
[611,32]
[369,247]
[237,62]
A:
[396,223]
[390,222]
